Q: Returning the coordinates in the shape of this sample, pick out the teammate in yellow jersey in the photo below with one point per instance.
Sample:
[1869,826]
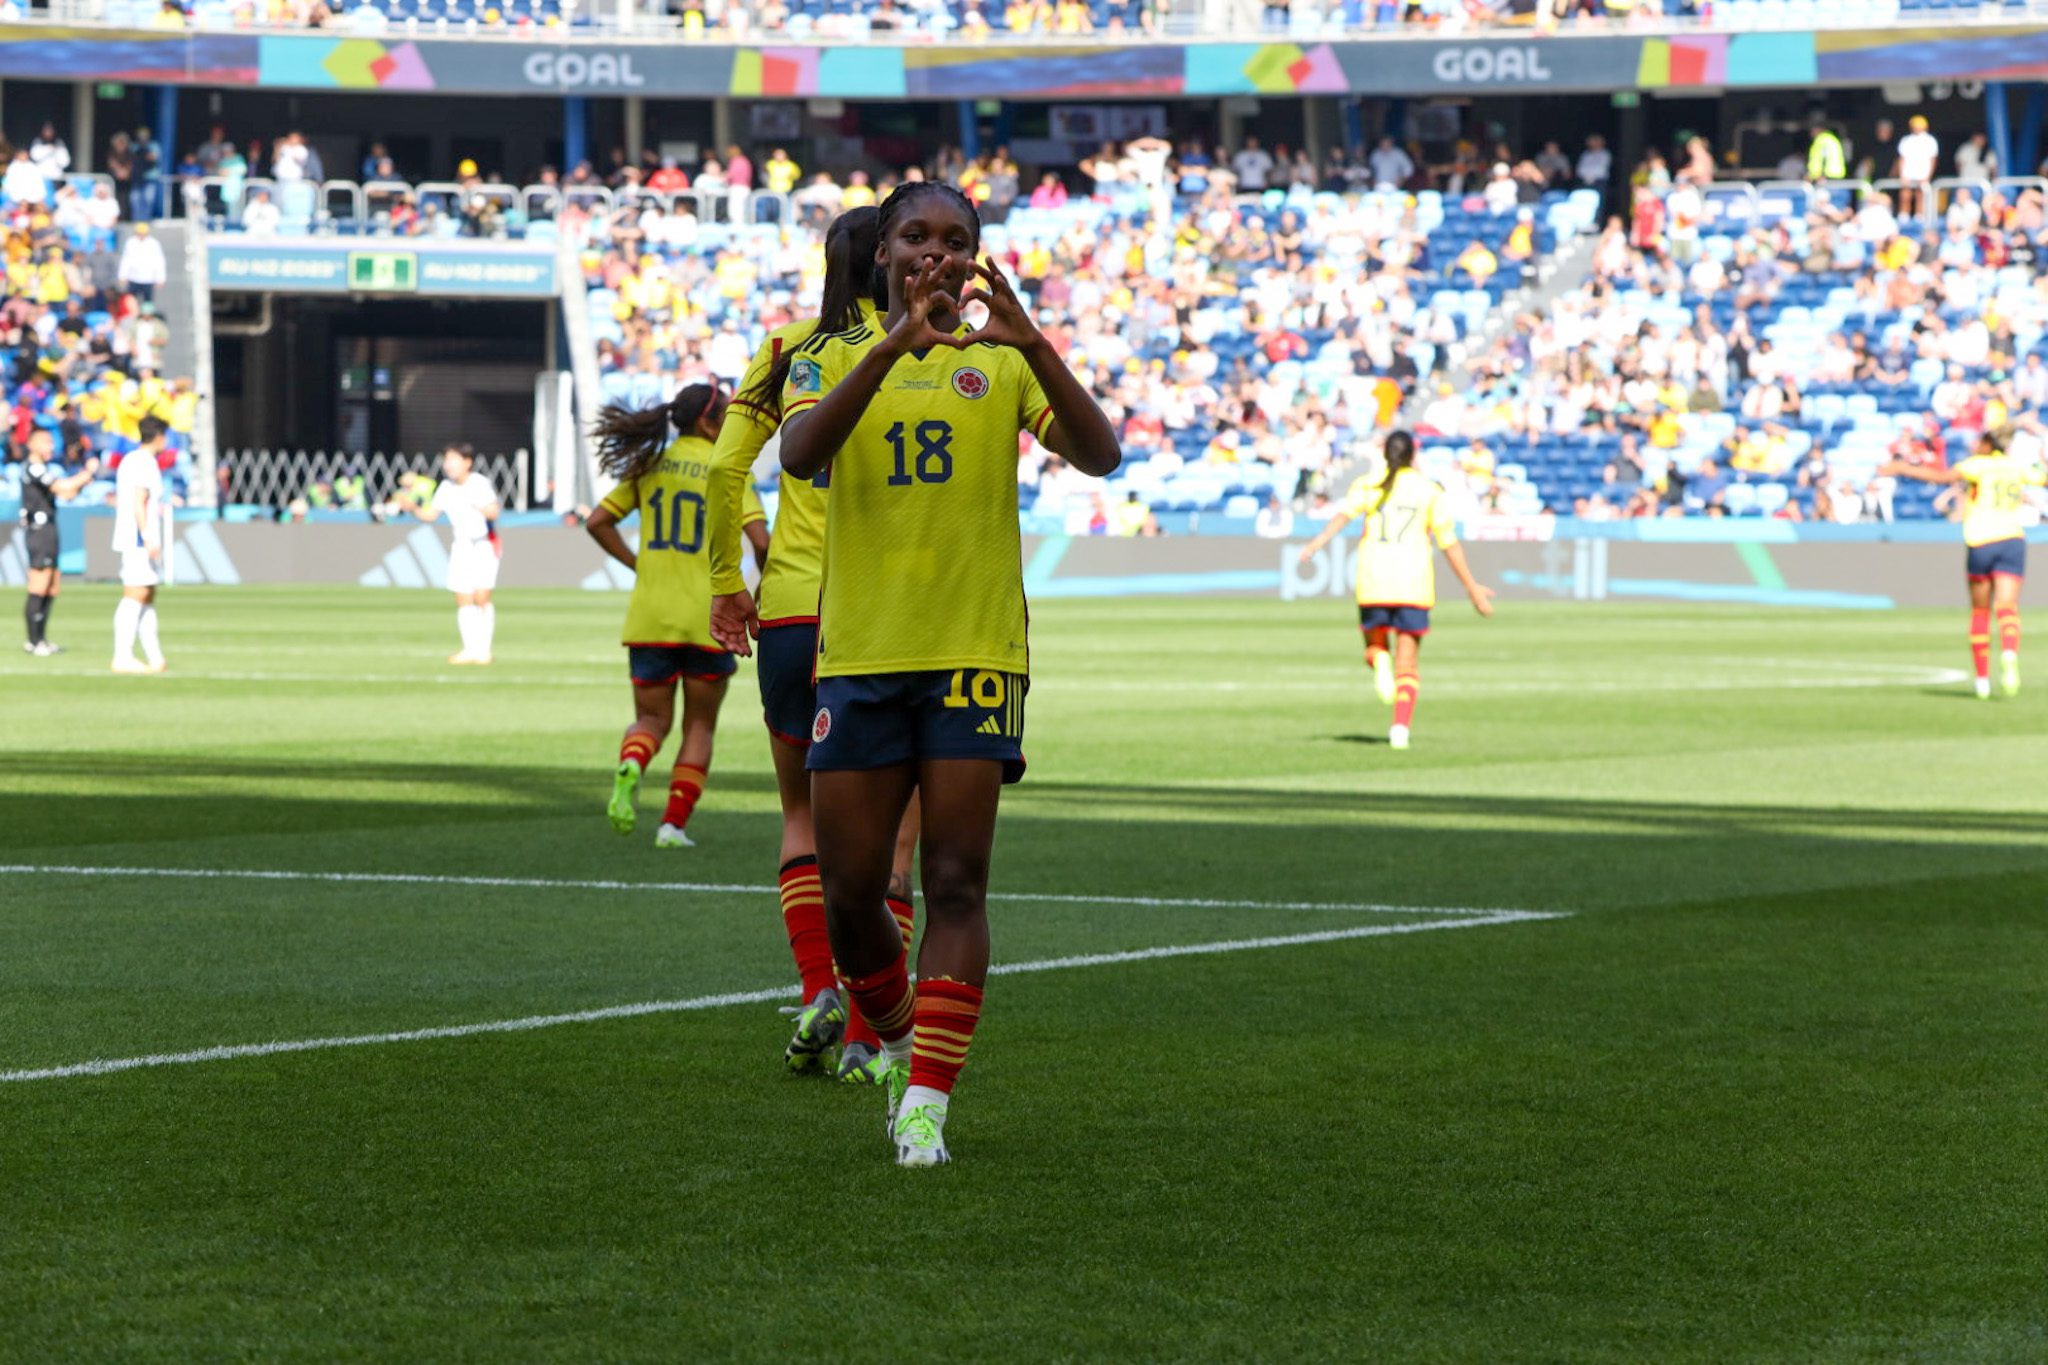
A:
[1405,514]
[1995,485]
[788,638]
[668,622]
[922,657]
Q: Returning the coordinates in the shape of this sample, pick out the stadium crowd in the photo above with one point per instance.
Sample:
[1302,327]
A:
[963,20]
[1249,316]
[81,341]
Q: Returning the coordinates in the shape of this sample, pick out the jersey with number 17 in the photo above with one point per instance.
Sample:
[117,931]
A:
[672,582]
[923,558]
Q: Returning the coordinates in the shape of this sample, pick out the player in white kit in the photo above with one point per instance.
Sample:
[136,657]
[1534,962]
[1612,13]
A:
[138,539]
[469,502]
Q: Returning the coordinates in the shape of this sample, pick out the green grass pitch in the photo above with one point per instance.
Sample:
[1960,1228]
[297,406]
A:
[1771,1086]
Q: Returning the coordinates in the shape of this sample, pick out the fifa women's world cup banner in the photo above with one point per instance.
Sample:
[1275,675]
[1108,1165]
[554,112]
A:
[1085,68]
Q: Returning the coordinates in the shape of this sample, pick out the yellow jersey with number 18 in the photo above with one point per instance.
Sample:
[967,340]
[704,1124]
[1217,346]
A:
[923,559]
[1995,496]
[672,587]
[789,588]
[1404,523]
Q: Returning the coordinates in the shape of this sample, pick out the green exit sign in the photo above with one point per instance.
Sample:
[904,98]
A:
[1628,99]
[112,90]
[383,272]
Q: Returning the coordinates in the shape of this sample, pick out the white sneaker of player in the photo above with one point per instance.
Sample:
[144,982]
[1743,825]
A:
[1397,736]
[672,836]
[130,666]
[1984,688]
[921,1129]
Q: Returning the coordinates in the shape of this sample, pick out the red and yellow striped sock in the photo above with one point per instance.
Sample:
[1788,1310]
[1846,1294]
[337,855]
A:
[684,787]
[803,918]
[1980,642]
[858,1030]
[638,746]
[886,999]
[947,1011]
[1406,686]
[1375,645]
[2009,629]
[905,915]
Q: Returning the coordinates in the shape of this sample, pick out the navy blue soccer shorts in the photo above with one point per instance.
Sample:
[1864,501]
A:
[2007,557]
[785,656]
[1400,620]
[653,665]
[882,719]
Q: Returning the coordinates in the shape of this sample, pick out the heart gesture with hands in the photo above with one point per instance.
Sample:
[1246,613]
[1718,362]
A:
[926,308]
[1008,324]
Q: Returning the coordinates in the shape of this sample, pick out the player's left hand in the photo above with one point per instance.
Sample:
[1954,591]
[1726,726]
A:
[1482,599]
[1008,324]
[735,621]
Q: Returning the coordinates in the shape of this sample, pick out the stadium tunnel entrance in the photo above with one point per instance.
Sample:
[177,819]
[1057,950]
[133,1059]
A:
[359,377]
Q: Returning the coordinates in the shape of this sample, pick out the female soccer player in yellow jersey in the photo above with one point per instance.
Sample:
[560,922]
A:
[668,622]
[921,660]
[786,625]
[1404,514]
[1995,487]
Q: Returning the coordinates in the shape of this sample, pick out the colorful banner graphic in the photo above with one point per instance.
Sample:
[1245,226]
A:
[1392,66]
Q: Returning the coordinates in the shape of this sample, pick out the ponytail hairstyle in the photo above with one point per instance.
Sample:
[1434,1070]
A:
[1400,455]
[850,275]
[630,440]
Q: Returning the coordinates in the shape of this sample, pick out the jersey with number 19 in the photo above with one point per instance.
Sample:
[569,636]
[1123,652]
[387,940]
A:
[672,585]
[923,558]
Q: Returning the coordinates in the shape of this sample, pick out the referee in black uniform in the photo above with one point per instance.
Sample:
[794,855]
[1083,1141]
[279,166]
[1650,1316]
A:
[43,483]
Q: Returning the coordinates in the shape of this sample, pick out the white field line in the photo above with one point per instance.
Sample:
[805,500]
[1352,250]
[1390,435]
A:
[716,888]
[232,1052]
[1451,686]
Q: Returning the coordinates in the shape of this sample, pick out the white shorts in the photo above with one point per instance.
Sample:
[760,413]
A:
[138,570]
[472,566]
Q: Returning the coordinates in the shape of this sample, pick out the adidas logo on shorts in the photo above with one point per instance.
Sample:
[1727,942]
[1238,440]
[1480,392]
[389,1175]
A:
[988,727]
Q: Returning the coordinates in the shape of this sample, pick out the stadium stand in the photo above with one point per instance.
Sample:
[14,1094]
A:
[81,343]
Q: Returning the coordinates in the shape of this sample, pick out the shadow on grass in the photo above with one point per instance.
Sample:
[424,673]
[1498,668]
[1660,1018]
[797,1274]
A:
[1126,838]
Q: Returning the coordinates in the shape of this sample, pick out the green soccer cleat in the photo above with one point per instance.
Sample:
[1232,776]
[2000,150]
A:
[2009,673]
[1383,677]
[921,1136]
[895,1080]
[818,1026]
[625,783]
[860,1064]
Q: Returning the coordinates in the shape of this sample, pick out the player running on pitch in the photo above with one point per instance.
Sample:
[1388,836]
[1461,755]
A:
[1404,514]
[661,457]
[1995,485]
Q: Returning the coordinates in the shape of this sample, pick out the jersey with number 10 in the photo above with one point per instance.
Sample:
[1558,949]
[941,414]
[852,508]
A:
[1395,565]
[923,558]
[672,586]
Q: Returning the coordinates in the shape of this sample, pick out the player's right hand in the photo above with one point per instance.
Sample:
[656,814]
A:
[734,621]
